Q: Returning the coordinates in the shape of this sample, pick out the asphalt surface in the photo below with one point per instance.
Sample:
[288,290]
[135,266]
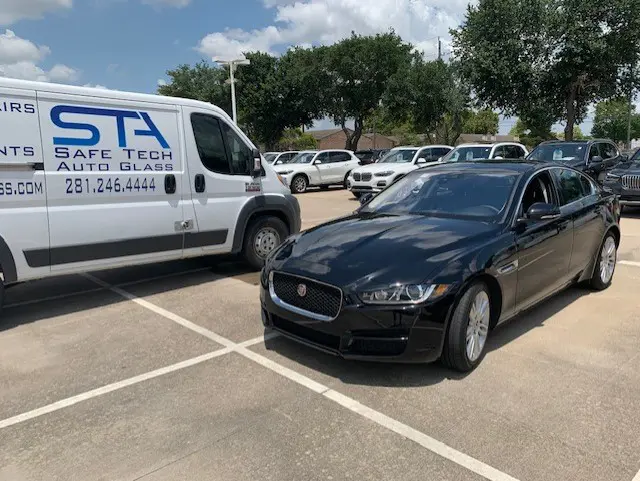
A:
[163,372]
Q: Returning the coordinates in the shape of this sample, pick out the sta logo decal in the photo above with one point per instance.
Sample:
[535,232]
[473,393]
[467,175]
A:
[84,126]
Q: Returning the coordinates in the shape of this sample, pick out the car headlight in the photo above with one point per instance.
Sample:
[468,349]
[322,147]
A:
[404,294]
[285,172]
[386,173]
[282,180]
[611,176]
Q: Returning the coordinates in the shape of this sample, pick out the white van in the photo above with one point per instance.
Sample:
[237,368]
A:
[94,179]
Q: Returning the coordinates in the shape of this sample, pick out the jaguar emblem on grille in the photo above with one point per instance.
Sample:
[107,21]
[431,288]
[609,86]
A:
[302,290]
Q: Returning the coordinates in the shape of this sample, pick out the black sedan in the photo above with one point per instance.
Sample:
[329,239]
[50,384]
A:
[624,181]
[426,269]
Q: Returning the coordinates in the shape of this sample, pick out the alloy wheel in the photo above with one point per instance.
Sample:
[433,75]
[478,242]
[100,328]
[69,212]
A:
[608,258]
[478,327]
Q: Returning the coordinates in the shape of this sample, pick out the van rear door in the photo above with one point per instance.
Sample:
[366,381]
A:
[23,204]
[114,175]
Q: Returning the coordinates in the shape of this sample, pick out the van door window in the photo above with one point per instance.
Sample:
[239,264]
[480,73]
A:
[206,130]
[241,156]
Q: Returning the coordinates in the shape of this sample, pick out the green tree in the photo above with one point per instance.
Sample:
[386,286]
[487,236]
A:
[484,122]
[354,75]
[577,134]
[200,82]
[295,139]
[531,135]
[553,56]
[611,121]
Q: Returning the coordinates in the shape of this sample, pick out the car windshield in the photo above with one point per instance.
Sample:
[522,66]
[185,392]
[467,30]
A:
[270,157]
[560,152]
[466,154]
[481,195]
[301,158]
[398,156]
[636,156]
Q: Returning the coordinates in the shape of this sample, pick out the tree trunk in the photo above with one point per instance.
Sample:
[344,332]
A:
[571,112]
[354,138]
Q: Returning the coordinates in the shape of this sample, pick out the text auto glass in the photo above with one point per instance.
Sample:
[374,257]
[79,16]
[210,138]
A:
[481,195]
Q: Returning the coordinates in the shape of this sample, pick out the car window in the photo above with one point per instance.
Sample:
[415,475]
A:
[340,157]
[472,194]
[324,157]
[608,151]
[467,154]
[559,152]
[594,151]
[520,152]
[570,185]
[588,186]
[210,143]
[539,189]
[287,156]
[499,152]
[441,152]
[240,155]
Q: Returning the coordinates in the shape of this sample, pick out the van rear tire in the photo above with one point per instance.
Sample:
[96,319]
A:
[263,235]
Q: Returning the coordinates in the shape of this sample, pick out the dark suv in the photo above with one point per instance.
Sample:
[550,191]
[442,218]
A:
[593,157]
[624,181]
[370,156]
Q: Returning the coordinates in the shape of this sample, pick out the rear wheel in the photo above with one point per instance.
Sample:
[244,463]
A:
[262,237]
[468,331]
[605,266]
[345,182]
[299,184]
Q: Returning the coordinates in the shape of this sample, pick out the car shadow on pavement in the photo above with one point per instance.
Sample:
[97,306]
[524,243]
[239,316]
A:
[417,375]
[55,297]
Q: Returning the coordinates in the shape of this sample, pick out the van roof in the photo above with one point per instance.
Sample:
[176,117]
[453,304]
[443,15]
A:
[107,94]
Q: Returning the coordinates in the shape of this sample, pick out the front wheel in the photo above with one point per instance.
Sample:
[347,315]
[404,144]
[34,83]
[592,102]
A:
[605,266]
[299,184]
[262,237]
[468,331]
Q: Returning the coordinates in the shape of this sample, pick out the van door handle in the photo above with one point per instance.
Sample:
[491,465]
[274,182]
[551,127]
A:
[170,184]
[200,183]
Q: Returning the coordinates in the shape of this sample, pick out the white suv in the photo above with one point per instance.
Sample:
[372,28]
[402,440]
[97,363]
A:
[397,163]
[313,168]
[471,152]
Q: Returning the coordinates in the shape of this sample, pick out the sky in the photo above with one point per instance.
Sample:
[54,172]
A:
[130,44]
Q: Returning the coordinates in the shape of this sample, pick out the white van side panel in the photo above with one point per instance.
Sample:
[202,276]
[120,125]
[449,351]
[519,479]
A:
[23,203]
[106,162]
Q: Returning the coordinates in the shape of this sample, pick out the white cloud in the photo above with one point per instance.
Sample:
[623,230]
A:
[162,82]
[303,22]
[19,58]
[13,10]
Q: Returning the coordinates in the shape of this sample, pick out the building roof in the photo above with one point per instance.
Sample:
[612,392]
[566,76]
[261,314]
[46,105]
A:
[321,134]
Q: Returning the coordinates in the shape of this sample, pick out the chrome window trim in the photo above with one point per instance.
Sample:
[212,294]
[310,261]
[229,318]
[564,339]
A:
[297,310]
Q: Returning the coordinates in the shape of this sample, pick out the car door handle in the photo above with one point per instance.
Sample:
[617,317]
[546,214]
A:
[200,183]
[170,184]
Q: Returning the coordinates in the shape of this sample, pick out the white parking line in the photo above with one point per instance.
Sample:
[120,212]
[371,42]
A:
[636,477]
[433,445]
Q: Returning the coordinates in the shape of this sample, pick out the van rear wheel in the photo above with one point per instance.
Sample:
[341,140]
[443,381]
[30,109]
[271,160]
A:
[262,237]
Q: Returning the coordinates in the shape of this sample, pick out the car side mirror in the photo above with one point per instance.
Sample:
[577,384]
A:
[543,211]
[439,159]
[277,162]
[317,162]
[597,160]
[421,160]
[255,166]
[364,198]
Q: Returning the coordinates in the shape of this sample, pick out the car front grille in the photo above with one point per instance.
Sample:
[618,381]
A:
[356,176]
[366,177]
[631,182]
[316,298]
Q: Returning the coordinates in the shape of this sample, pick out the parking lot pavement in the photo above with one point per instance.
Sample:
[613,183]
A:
[143,375]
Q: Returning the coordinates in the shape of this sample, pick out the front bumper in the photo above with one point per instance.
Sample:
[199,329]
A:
[370,333]
[376,184]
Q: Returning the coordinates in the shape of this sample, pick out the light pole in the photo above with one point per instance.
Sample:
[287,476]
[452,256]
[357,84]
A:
[233,64]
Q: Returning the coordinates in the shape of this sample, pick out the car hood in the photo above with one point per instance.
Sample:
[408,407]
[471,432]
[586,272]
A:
[373,168]
[374,249]
[627,168]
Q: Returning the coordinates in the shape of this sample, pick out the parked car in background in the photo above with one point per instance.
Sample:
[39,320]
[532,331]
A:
[429,267]
[593,157]
[471,152]
[397,163]
[370,156]
[317,168]
[624,181]
[278,158]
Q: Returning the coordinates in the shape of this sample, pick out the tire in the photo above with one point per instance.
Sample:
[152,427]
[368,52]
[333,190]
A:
[603,273]
[455,353]
[345,182]
[262,236]
[1,295]
[299,184]
[357,195]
